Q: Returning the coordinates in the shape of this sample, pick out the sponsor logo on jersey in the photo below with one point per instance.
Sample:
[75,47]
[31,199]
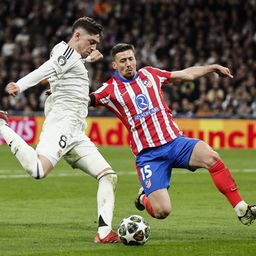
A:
[142,101]
[146,113]
[62,60]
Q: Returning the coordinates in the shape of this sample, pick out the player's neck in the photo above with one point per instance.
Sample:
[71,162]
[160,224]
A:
[72,44]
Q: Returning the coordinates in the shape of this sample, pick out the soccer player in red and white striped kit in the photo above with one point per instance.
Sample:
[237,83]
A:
[156,140]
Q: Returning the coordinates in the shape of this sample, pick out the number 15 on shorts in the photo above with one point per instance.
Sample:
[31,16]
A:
[145,172]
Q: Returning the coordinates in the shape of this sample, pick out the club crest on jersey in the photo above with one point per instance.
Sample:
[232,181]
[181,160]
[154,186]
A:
[142,102]
[148,183]
[62,60]
[147,83]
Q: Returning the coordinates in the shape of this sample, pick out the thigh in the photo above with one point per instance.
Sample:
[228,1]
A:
[202,156]
[180,151]
[86,157]
[154,169]
[55,138]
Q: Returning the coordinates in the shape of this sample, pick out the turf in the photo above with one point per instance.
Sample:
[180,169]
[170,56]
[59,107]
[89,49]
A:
[57,215]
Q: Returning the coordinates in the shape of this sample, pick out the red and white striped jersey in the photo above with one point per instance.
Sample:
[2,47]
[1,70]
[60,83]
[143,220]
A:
[140,105]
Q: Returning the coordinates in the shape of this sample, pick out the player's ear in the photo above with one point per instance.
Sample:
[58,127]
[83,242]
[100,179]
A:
[114,66]
[77,35]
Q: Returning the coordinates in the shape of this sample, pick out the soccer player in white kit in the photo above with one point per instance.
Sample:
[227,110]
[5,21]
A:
[63,130]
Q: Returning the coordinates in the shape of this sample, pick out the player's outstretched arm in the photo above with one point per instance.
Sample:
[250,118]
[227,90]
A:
[31,79]
[192,73]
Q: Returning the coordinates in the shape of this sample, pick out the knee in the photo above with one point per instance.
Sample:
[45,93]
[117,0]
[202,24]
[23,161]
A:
[162,212]
[211,158]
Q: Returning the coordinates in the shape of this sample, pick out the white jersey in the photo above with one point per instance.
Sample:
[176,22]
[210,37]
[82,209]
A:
[68,79]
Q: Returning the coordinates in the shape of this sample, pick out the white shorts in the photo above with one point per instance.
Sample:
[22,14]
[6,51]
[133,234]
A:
[63,135]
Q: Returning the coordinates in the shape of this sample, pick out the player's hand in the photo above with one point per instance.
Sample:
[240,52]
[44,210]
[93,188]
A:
[13,89]
[94,56]
[223,71]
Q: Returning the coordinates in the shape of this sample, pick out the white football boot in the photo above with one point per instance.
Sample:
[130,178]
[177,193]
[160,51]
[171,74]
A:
[249,216]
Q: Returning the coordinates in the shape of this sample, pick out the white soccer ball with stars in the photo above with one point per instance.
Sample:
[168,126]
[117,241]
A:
[134,230]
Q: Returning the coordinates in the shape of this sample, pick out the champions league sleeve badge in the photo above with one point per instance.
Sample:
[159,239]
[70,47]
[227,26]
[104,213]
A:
[62,60]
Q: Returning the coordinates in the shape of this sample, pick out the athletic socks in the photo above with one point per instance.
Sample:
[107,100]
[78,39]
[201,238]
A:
[25,154]
[106,201]
[223,180]
[145,201]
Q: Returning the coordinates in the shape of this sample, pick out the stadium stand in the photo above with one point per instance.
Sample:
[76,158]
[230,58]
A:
[169,34]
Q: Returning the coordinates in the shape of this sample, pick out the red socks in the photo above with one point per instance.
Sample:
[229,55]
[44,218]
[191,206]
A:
[146,203]
[223,180]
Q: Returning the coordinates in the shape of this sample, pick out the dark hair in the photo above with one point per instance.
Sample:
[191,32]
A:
[121,47]
[88,24]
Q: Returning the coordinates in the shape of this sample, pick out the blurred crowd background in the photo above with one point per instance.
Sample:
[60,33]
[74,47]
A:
[168,34]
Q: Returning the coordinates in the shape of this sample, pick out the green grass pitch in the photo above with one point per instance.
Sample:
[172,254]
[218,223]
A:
[57,216]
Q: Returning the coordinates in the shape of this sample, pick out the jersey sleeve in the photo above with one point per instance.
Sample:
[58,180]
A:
[34,77]
[163,75]
[63,57]
[102,95]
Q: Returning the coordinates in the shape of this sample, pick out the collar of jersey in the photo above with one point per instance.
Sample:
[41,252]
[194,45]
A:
[75,51]
[117,75]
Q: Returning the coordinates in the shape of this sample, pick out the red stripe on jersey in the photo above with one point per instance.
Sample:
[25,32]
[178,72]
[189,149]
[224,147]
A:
[118,105]
[163,73]
[108,92]
[165,117]
[151,123]
[131,110]
[169,114]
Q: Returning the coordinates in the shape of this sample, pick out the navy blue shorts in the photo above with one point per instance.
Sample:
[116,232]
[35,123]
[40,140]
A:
[154,165]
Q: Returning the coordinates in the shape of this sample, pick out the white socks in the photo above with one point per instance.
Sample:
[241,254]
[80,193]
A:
[241,208]
[26,155]
[106,201]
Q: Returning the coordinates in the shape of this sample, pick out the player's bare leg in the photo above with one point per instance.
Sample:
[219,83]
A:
[37,167]
[204,156]
[157,204]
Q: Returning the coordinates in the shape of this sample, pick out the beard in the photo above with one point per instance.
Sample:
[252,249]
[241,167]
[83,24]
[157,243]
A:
[129,76]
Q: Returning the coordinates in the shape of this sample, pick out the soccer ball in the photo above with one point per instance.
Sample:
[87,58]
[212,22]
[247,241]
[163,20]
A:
[134,230]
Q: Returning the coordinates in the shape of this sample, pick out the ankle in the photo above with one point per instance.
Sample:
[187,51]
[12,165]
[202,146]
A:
[141,198]
[241,208]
